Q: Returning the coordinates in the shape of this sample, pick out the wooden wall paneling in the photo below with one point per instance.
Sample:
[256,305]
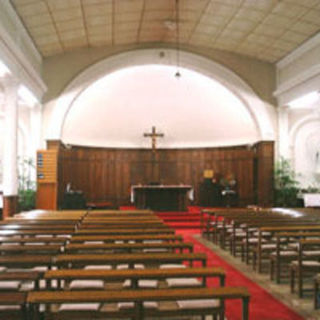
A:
[107,174]
[47,179]
[113,191]
[265,168]
[10,206]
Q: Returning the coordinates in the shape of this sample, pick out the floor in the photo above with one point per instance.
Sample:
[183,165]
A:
[304,306]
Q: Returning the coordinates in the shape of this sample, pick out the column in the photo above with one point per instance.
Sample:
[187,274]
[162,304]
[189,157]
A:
[10,165]
[35,128]
[35,135]
[283,132]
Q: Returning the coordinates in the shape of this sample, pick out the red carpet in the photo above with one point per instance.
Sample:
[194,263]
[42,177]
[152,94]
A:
[263,306]
[185,220]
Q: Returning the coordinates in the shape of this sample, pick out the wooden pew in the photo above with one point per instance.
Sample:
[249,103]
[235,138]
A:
[121,217]
[126,238]
[210,217]
[80,260]
[39,222]
[33,276]
[119,231]
[26,261]
[51,249]
[26,240]
[289,252]
[129,247]
[124,225]
[105,221]
[136,274]
[250,225]
[17,299]
[138,297]
[65,228]
[306,263]
[33,233]
[274,229]
[108,213]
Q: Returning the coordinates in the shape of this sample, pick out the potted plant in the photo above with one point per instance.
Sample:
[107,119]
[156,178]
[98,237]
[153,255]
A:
[286,185]
[27,186]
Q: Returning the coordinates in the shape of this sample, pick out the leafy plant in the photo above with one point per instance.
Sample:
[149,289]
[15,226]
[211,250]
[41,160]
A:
[286,185]
[27,185]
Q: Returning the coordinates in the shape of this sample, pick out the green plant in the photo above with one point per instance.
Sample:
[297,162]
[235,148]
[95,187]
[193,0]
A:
[27,186]
[286,185]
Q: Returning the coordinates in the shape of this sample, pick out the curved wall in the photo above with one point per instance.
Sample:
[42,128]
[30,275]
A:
[262,114]
[191,111]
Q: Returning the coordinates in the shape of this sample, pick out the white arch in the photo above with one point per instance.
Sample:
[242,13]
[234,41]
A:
[298,125]
[226,77]
[304,160]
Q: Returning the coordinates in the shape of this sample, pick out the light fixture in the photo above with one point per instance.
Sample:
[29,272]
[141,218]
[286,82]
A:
[305,101]
[177,74]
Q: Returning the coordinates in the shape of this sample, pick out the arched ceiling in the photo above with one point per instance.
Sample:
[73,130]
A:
[264,29]
[192,111]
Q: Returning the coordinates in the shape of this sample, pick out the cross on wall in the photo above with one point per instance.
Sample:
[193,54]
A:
[153,135]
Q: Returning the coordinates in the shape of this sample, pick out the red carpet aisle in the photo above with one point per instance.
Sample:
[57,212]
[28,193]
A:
[262,305]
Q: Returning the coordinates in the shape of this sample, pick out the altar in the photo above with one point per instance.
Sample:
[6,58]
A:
[161,197]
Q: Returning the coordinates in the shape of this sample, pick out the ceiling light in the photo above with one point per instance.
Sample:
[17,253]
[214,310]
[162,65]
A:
[305,101]
[177,74]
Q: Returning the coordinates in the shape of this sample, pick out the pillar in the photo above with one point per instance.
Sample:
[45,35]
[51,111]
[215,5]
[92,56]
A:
[10,161]
[283,132]
[35,136]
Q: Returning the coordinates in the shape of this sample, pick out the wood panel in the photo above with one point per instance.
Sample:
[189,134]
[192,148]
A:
[47,177]
[264,173]
[10,206]
[107,174]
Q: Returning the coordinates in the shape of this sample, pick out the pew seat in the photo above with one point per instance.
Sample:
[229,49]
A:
[138,297]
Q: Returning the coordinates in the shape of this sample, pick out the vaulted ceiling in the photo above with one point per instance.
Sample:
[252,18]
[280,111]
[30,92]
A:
[264,29]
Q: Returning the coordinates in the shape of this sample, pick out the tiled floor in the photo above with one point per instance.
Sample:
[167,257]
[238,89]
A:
[304,306]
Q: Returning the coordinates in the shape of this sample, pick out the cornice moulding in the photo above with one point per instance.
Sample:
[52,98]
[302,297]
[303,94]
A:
[297,53]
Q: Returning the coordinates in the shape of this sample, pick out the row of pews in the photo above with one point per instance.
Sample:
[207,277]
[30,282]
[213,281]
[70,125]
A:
[106,264]
[283,242]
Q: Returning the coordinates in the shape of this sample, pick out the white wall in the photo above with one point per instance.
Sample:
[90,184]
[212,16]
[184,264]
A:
[305,145]
[192,111]
[297,75]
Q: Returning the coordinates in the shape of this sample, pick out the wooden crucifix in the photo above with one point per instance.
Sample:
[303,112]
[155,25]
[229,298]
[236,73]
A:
[153,135]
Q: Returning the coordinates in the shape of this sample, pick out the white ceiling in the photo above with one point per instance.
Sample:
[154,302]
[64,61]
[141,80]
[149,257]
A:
[264,29]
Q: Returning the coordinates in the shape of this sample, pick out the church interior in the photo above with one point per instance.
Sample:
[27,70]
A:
[160,159]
